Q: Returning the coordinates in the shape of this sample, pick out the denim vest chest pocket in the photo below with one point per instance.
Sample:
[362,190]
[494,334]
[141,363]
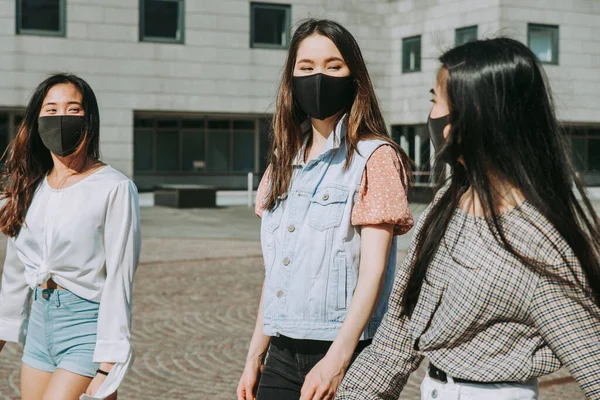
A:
[327,208]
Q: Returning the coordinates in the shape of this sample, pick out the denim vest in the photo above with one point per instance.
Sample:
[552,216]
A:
[312,251]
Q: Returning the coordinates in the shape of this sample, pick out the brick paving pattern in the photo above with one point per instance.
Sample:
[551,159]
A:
[196,293]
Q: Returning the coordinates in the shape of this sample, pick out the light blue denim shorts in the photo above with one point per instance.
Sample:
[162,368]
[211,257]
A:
[61,333]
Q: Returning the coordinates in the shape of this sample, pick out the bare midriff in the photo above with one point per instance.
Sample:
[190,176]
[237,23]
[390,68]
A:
[50,284]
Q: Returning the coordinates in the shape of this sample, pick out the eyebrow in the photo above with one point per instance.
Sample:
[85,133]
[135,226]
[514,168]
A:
[69,103]
[327,60]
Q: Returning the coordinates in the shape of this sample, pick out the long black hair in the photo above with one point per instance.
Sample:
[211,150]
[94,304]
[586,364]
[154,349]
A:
[28,160]
[503,123]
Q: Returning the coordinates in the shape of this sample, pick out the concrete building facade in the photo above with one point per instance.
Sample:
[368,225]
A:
[186,87]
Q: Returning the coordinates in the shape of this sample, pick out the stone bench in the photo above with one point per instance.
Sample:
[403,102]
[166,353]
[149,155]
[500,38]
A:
[185,196]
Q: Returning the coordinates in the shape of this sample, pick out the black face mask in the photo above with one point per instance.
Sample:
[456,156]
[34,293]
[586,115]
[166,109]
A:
[436,133]
[321,96]
[61,133]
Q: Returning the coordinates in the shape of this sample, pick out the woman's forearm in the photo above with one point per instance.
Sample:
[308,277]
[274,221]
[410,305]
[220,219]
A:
[259,342]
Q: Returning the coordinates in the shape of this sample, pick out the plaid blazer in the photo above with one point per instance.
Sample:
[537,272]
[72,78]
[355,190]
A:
[484,315]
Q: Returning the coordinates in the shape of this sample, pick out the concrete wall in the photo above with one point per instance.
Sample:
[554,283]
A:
[576,79]
[215,71]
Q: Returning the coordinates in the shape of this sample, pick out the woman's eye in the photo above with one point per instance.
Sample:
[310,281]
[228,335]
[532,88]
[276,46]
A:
[75,110]
[306,69]
[335,67]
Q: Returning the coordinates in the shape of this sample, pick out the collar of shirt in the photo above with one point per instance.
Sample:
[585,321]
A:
[334,141]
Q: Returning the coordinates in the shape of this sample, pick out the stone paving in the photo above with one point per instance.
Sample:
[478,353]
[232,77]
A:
[196,293]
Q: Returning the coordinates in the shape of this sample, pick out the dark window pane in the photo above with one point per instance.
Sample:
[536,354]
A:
[265,143]
[40,15]
[3,133]
[194,155]
[143,123]
[543,41]
[243,151]
[466,35]
[167,123]
[594,132]
[594,155]
[270,24]
[411,54]
[218,151]
[243,125]
[167,151]
[578,153]
[192,123]
[218,124]
[142,150]
[161,19]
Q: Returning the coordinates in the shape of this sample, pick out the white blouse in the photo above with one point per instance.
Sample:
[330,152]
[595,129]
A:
[86,237]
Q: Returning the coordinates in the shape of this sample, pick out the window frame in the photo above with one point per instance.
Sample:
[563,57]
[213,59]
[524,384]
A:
[62,21]
[459,31]
[405,42]
[288,20]
[555,45]
[157,39]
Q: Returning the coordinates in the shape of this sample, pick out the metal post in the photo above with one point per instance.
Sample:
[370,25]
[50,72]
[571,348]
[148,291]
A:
[250,189]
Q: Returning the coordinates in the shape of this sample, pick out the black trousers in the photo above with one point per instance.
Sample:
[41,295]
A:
[287,364]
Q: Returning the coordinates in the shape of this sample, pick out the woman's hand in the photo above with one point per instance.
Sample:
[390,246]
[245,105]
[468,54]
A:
[95,384]
[322,381]
[248,385]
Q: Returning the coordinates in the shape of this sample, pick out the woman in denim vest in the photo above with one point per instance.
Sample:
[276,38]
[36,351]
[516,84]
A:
[74,241]
[331,202]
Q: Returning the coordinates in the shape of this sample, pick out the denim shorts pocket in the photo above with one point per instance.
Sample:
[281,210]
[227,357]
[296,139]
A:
[327,208]
[80,308]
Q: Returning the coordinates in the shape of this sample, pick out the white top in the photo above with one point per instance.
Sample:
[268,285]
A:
[86,237]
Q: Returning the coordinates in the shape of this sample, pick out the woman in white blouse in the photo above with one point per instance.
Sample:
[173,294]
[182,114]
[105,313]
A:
[73,246]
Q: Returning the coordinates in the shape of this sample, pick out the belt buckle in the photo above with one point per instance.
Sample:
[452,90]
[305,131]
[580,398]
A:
[438,375]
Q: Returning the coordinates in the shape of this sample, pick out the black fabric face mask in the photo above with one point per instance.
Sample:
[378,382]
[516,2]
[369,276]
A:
[321,96]
[61,133]
[436,133]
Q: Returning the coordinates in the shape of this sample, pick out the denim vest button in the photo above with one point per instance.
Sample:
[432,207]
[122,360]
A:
[291,228]
[434,394]
[45,296]
[286,261]
[279,293]
[325,197]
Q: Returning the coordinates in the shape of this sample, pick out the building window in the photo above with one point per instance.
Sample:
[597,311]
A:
[543,41]
[41,17]
[414,139]
[197,145]
[411,54]
[270,25]
[585,152]
[162,21]
[465,35]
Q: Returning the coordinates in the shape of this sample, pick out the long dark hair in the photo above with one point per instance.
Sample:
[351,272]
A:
[503,122]
[28,160]
[365,120]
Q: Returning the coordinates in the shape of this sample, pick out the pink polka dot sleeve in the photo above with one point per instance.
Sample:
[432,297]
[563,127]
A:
[382,194]
[262,192]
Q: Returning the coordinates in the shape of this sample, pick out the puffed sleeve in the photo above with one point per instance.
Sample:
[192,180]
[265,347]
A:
[382,195]
[122,244]
[262,192]
[15,296]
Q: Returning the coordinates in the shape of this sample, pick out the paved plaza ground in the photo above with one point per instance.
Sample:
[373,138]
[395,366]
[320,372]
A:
[196,294]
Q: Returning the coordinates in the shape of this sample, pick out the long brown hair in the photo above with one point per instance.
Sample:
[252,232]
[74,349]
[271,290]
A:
[28,160]
[364,118]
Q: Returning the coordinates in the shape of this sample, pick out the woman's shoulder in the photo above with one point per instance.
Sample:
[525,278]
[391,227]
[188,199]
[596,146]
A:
[111,178]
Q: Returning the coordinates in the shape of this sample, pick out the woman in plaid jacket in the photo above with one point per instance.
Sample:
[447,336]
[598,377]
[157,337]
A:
[502,281]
